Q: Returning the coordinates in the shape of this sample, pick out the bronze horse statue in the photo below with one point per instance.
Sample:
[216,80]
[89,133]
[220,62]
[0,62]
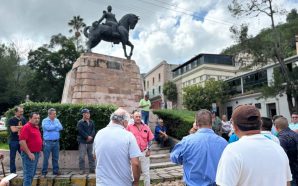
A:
[98,32]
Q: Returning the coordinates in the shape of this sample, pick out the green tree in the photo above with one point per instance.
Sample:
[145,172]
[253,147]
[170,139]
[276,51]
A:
[216,91]
[293,15]
[196,97]
[170,91]
[51,63]
[271,47]
[13,78]
[77,24]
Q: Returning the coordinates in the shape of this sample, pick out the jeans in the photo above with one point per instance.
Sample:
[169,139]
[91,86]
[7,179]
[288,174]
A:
[83,149]
[145,116]
[29,168]
[48,148]
[14,147]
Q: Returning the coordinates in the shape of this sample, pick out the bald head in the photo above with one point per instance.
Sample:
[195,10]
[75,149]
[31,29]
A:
[121,111]
[120,116]
[281,123]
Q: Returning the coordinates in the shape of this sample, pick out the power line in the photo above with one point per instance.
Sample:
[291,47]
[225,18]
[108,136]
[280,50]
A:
[192,14]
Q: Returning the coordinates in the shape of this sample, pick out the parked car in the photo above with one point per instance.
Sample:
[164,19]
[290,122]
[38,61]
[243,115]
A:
[2,124]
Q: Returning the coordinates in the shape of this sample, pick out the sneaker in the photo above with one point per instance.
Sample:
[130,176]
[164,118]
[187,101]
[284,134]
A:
[82,172]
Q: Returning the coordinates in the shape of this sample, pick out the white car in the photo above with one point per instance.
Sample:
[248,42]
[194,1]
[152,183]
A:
[2,124]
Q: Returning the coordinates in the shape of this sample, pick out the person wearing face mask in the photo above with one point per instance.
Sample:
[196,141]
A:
[117,153]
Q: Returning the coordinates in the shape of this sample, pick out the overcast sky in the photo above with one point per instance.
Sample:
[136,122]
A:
[171,30]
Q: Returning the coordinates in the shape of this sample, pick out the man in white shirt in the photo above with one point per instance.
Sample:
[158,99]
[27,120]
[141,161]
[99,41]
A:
[253,159]
[117,153]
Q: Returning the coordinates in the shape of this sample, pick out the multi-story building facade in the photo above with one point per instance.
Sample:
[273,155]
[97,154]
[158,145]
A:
[154,81]
[245,89]
[201,68]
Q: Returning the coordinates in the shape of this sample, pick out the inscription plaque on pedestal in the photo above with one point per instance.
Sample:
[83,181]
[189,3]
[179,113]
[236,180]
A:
[101,79]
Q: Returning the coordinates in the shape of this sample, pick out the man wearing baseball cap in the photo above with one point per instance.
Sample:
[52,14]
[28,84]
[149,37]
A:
[86,134]
[253,159]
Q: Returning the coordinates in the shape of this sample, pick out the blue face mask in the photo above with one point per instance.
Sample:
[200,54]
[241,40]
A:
[274,131]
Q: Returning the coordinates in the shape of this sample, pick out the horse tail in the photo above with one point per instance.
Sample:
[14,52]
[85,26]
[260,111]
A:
[85,31]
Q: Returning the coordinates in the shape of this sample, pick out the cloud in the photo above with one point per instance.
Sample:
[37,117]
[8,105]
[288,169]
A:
[173,30]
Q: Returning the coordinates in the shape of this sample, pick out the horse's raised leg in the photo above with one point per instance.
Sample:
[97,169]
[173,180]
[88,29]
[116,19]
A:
[131,48]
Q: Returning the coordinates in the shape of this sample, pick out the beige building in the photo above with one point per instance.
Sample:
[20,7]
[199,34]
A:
[200,69]
[154,81]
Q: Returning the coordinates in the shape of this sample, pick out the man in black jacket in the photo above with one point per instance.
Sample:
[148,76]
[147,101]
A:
[289,141]
[86,133]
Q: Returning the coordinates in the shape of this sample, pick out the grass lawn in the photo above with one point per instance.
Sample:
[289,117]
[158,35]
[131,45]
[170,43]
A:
[4,146]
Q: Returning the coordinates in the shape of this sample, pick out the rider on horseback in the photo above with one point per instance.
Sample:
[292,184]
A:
[110,20]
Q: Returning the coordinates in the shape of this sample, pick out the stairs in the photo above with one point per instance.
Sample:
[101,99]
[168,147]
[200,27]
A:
[161,168]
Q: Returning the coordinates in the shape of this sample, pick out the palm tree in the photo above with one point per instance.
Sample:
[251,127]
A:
[76,25]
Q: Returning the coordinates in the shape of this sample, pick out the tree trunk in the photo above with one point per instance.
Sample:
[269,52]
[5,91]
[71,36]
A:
[290,102]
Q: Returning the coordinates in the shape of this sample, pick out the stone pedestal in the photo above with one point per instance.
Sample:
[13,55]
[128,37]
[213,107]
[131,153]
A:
[101,79]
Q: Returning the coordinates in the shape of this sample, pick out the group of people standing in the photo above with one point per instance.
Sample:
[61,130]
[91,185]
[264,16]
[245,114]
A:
[135,141]
[256,158]
[120,152]
[25,138]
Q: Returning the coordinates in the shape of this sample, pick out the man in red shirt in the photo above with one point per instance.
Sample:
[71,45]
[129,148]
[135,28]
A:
[31,145]
[143,136]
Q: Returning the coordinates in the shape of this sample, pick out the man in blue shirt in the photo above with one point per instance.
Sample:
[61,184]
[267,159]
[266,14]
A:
[51,127]
[160,134]
[199,153]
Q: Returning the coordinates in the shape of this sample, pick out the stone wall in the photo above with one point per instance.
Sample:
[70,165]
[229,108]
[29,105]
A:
[98,79]
[68,159]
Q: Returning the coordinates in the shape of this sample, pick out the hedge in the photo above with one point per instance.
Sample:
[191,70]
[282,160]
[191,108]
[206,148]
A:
[3,136]
[69,115]
[178,122]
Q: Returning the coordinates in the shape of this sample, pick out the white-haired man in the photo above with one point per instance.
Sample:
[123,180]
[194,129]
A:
[117,153]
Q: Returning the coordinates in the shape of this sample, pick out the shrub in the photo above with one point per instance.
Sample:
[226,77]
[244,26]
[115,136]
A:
[178,122]
[3,136]
[69,115]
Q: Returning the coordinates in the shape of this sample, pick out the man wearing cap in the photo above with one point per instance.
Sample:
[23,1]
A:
[117,153]
[145,105]
[253,159]
[86,133]
[289,142]
[199,153]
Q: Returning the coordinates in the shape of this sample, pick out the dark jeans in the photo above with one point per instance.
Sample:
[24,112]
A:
[145,116]
[14,147]
[48,148]
[162,141]
[29,168]
[83,149]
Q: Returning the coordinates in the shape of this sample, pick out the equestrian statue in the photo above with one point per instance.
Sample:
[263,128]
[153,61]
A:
[111,30]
